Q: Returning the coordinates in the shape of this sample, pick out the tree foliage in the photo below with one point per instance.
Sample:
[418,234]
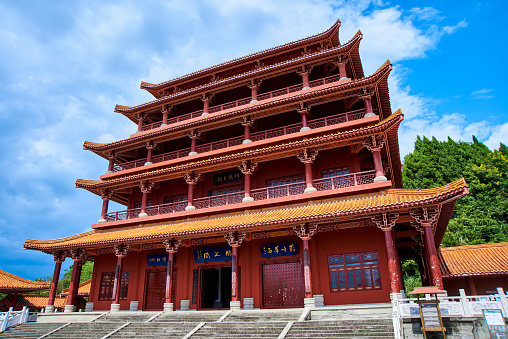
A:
[482,216]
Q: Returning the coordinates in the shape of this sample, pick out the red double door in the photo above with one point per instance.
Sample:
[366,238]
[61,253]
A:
[155,289]
[283,285]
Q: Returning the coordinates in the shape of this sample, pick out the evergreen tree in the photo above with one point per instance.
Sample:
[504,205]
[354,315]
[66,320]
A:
[482,216]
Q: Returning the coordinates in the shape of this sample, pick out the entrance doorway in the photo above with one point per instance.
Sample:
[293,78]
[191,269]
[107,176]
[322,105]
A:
[215,287]
[155,289]
[283,285]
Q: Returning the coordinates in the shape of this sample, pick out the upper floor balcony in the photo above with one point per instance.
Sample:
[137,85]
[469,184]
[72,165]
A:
[262,135]
[244,101]
[260,194]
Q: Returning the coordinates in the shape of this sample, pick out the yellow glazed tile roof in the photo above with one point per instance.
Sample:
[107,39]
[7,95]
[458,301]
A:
[475,260]
[83,289]
[11,283]
[388,200]
[39,301]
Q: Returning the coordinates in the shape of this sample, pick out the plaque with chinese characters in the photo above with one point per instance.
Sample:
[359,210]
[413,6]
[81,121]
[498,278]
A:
[279,250]
[210,254]
[157,259]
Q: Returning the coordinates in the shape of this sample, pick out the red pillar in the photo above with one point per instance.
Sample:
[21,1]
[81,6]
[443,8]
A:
[304,111]
[247,186]
[247,125]
[144,202]
[118,278]
[304,72]
[247,168]
[472,286]
[206,98]
[191,179]
[14,300]
[378,165]
[169,277]
[149,156]
[54,283]
[369,112]
[430,248]
[397,261]
[308,176]
[306,269]
[342,70]
[140,123]
[104,211]
[254,85]
[165,114]
[73,287]
[392,261]
[234,272]
[307,157]
[111,165]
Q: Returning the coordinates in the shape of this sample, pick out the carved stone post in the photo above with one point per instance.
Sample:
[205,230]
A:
[367,101]
[305,232]
[247,123]
[59,259]
[111,164]
[304,72]
[307,157]
[120,252]
[304,111]
[191,179]
[150,146]
[341,64]
[375,144]
[247,168]
[194,136]
[234,239]
[206,98]
[78,255]
[146,188]
[254,86]
[106,196]
[171,246]
[386,221]
[427,217]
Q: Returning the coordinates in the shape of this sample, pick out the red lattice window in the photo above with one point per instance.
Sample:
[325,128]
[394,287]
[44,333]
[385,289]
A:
[334,172]
[293,179]
[175,198]
[354,272]
[107,282]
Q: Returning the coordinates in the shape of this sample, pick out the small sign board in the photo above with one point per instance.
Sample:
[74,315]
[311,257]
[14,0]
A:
[279,249]
[157,259]
[227,178]
[495,323]
[211,254]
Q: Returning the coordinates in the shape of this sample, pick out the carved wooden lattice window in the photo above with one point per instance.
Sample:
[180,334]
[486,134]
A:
[107,282]
[293,179]
[354,272]
[334,172]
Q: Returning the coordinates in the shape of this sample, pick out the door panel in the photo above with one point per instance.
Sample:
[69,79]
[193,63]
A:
[283,285]
[155,290]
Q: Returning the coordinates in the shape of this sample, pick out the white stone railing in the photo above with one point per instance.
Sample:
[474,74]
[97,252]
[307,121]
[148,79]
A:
[11,318]
[456,306]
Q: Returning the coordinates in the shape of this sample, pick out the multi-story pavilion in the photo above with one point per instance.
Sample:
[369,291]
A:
[245,177]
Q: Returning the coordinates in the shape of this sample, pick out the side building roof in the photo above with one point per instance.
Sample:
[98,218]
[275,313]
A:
[10,283]
[83,289]
[474,260]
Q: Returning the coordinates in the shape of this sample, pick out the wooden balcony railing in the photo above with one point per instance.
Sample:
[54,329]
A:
[271,133]
[244,101]
[346,180]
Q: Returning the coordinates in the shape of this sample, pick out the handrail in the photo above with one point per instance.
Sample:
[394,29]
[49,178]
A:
[322,184]
[262,135]
[244,101]
[11,318]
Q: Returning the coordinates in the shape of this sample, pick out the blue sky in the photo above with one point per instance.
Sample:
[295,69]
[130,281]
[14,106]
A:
[65,64]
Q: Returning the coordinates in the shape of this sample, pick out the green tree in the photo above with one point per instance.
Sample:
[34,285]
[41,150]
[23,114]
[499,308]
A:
[480,217]
[86,274]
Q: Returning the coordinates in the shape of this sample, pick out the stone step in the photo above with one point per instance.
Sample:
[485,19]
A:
[85,330]
[29,330]
[190,316]
[131,316]
[154,330]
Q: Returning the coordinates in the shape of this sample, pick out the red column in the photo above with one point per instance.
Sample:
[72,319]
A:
[165,114]
[472,286]
[397,261]
[369,112]
[54,283]
[191,179]
[111,165]
[392,261]
[430,248]
[306,269]
[194,135]
[247,168]
[304,111]
[206,98]
[169,277]
[247,125]
[14,300]
[118,277]
[378,165]
[149,156]
[247,187]
[144,202]
[73,286]
[234,272]
[140,124]
[308,176]
[246,132]
[254,85]
[304,72]
[307,157]
[342,70]
[104,211]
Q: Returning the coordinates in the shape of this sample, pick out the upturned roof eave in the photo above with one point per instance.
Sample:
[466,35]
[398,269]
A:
[453,190]
[129,111]
[248,58]
[243,110]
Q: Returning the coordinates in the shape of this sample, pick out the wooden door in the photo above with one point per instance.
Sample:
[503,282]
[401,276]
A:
[283,285]
[155,289]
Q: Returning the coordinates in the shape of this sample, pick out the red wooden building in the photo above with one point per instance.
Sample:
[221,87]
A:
[245,177]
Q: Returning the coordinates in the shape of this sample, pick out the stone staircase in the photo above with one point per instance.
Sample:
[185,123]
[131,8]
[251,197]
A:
[381,328]
[331,322]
